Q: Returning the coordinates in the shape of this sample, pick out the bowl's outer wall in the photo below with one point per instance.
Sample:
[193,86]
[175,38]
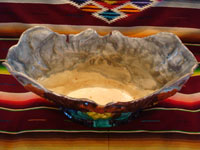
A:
[90,106]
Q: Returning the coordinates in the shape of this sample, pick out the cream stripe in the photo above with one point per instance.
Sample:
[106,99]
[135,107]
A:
[188,98]
[194,4]
[161,131]
[100,131]
[27,109]
[174,109]
[19,97]
[55,108]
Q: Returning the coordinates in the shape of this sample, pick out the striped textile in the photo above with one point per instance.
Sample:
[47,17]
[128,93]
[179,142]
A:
[30,122]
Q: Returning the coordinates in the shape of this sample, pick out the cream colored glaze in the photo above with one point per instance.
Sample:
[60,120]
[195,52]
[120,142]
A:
[93,86]
[101,95]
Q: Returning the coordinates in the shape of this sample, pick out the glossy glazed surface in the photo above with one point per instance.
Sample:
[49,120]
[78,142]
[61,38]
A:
[159,63]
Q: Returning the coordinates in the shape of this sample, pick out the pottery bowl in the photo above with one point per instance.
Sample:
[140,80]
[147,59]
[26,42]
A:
[156,67]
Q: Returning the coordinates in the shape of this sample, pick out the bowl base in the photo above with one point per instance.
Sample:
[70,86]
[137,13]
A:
[85,119]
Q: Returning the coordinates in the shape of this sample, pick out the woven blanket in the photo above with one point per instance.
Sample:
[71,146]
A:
[28,121]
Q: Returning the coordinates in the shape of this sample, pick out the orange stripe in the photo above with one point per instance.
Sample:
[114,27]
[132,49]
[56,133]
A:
[129,10]
[96,141]
[91,6]
[129,6]
[89,10]
[186,34]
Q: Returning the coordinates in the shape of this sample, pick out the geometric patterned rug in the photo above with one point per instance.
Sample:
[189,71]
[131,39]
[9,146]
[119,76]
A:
[112,10]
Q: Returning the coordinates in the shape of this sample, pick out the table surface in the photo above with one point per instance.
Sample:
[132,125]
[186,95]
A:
[29,122]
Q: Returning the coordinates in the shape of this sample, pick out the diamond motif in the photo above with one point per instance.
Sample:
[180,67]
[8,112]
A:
[142,4]
[112,10]
[79,2]
[109,15]
[90,8]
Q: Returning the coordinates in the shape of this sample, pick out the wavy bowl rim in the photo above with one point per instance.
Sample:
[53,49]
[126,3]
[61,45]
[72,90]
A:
[41,87]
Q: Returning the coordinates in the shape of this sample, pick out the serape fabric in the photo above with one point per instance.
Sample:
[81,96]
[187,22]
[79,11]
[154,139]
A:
[30,122]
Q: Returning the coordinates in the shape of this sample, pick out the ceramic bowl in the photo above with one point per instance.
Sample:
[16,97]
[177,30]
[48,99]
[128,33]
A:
[160,63]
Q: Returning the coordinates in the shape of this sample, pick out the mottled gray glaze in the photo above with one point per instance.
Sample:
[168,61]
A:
[159,62]
[160,58]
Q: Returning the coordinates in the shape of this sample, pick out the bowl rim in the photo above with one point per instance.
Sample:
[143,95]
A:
[37,85]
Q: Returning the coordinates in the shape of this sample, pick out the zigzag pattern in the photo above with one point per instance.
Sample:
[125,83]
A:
[112,10]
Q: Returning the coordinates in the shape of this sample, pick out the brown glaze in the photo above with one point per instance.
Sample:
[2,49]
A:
[35,90]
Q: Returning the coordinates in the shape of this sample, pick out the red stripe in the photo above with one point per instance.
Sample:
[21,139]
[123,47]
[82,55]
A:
[39,102]
[17,121]
[173,103]
[9,84]
[198,58]
[43,13]
[70,15]
[192,85]
[4,46]
[196,51]
[167,120]
[151,120]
